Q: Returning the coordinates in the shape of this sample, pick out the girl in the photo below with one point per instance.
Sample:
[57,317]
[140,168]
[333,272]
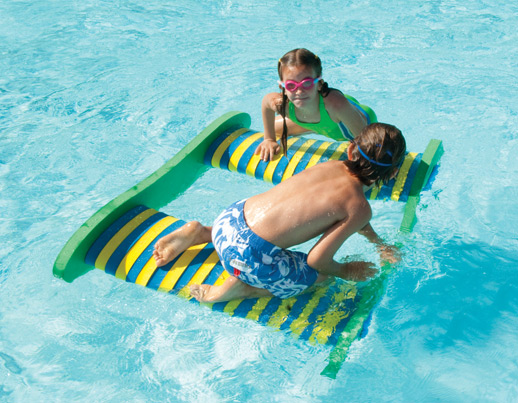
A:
[306,103]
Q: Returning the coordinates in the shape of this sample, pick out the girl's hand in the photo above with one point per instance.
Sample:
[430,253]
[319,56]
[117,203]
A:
[267,149]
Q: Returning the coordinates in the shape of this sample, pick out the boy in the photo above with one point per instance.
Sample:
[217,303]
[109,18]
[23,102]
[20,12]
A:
[251,237]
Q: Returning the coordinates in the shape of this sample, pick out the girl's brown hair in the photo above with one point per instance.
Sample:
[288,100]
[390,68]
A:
[384,147]
[297,57]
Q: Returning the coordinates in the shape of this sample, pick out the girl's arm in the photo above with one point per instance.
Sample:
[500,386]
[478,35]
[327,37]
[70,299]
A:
[341,110]
[269,147]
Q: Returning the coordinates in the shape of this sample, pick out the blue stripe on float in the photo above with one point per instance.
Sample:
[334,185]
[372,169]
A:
[108,234]
[320,309]
[193,267]
[343,156]
[259,170]
[386,190]
[225,158]
[307,156]
[207,160]
[219,306]
[244,307]
[214,274]
[296,309]
[148,252]
[329,152]
[410,178]
[247,155]
[283,164]
[159,274]
[129,241]
[279,170]
[270,308]
[350,305]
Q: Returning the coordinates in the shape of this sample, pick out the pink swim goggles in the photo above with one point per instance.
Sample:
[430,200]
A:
[305,84]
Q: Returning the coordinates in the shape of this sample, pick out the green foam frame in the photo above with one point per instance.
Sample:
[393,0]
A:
[180,172]
[156,191]
[430,158]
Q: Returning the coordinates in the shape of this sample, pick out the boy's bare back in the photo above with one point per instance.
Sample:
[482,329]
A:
[325,199]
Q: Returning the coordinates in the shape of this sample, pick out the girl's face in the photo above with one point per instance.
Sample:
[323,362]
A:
[301,97]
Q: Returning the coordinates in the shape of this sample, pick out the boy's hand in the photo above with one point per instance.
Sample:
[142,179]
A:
[267,149]
[389,253]
[360,271]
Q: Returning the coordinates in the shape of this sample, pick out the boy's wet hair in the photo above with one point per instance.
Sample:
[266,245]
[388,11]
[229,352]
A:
[376,153]
[299,57]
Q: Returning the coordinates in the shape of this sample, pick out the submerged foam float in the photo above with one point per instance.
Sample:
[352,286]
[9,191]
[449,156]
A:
[119,238]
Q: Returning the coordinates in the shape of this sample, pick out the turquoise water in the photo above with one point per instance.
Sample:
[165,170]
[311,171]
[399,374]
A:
[96,95]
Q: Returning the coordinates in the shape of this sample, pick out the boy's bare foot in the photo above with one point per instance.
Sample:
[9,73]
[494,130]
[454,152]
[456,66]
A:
[171,245]
[231,289]
[200,292]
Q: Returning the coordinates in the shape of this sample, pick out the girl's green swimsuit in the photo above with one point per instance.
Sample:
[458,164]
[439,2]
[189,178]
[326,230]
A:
[329,128]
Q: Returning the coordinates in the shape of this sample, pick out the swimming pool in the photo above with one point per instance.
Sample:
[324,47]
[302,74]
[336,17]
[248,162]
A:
[94,96]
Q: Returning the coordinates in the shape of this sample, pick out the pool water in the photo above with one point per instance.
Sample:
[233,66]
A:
[96,95]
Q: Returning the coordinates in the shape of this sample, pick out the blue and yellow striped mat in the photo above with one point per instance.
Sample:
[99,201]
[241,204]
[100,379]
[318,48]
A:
[125,249]
[234,150]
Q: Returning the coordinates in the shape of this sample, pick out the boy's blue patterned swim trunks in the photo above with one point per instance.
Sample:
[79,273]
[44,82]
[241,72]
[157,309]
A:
[257,262]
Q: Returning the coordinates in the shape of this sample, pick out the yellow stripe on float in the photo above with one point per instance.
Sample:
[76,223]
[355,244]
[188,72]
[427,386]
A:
[340,150]
[270,168]
[294,161]
[146,272]
[171,278]
[222,277]
[216,158]
[240,150]
[136,250]
[299,324]
[318,154]
[252,165]
[402,175]
[323,331]
[120,236]
[258,308]
[328,322]
[231,306]
[200,275]
[281,314]
[374,192]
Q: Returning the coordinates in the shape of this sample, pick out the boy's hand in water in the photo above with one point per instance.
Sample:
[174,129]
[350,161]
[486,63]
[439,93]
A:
[360,270]
[389,253]
[267,149]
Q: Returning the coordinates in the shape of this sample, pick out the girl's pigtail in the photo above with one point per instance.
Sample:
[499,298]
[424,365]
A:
[324,91]
[284,136]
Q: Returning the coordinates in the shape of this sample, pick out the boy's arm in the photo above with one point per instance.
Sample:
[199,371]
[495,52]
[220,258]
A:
[387,252]
[269,147]
[321,256]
